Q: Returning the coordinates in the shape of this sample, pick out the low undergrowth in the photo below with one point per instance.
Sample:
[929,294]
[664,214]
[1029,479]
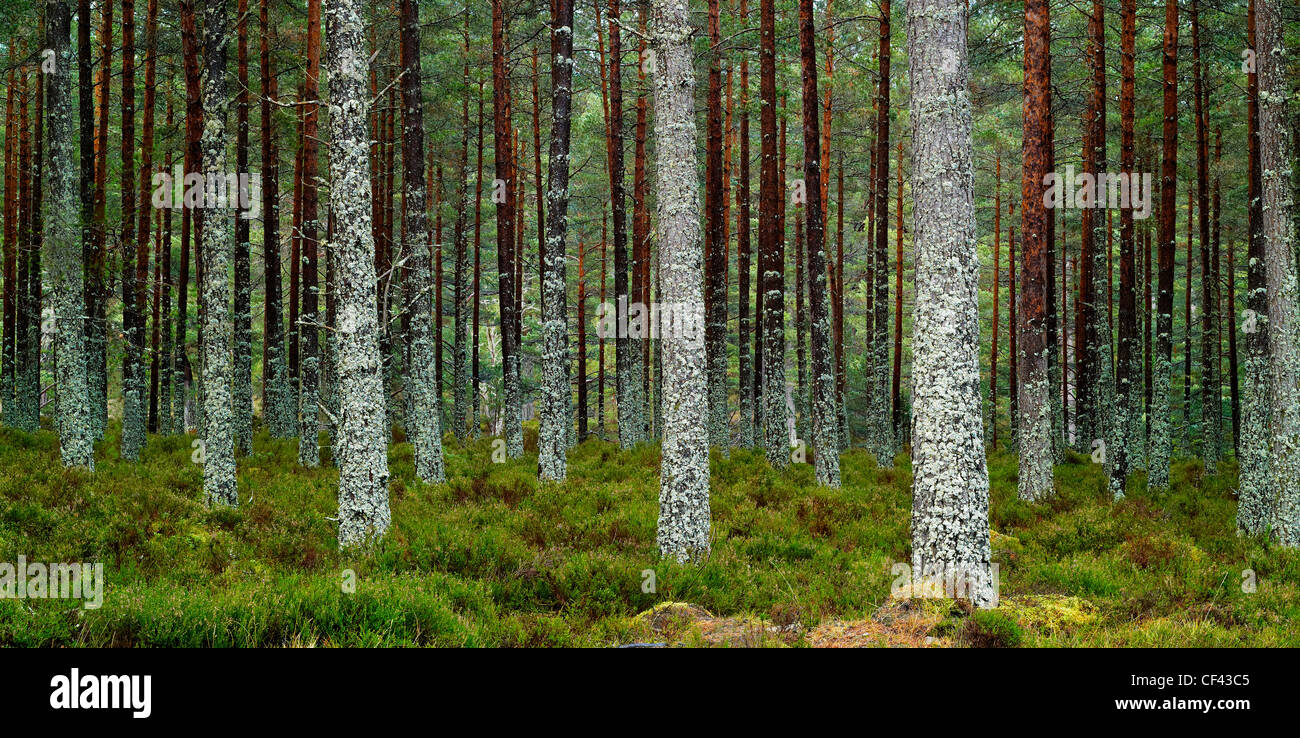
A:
[493,558]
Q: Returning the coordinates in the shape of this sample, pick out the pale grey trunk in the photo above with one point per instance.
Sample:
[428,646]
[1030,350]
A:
[218,240]
[1278,232]
[63,241]
[363,460]
[1107,421]
[950,528]
[556,419]
[683,531]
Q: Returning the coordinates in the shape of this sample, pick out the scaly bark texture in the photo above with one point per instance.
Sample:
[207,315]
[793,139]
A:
[1106,422]
[1126,436]
[555,417]
[243,380]
[277,403]
[133,374]
[511,392]
[308,319]
[218,434]
[825,431]
[1160,442]
[771,252]
[425,429]
[880,435]
[1034,433]
[1277,230]
[715,243]
[1211,400]
[363,458]
[1254,506]
[683,531]
[62,238]
[460,273]
[743,252]
[950,489]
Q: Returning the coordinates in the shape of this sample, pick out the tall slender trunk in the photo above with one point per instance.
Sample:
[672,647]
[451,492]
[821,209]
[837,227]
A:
[148,215]
[1035,431]
[134,402]
[771,251]
[1210,400]
[309,333]
[826,452]
[684,518]
[218,432]
[1160,442]
[363,461]
[881,440]
[950,488]
[1277,231]
[555,417]
[460,351]
[715,263]
[76,436]
[277,404]
[425,429]
[242,385]
[1126,437]
[505,235]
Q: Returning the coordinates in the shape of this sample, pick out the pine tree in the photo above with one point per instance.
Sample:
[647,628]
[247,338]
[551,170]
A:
[950,503]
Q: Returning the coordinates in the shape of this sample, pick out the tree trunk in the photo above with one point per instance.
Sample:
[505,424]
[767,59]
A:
[1126,439]
[243,381]
[514,436]
[950,489]
[1160,441]
[1035,430]
[218,452]
[363,460]
[1277,231]
[309,332]
[825,414]
[76,436]
[277,404]
[555,417]
[771,250]
[683,528]
[880,440]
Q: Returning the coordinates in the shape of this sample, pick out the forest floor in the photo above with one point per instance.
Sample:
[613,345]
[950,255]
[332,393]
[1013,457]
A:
[494,558]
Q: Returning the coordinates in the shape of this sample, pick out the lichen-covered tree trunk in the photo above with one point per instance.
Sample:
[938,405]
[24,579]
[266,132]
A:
[242,387]
[1126,438]
[555,417]
[309,319]
[460,273]
[147,216]
[1279,236]
[133,376]
[1210,392]
[511,391]
[1254,506]
[62,238]
[715,250]
[743,251]
[825,414]
[950,527]
[1034,421]
[771,253]
[1160,442]
[363,460]
[1105,422]
[425,429]
[880,439]
[277,405]
[683,532]
[218,433]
